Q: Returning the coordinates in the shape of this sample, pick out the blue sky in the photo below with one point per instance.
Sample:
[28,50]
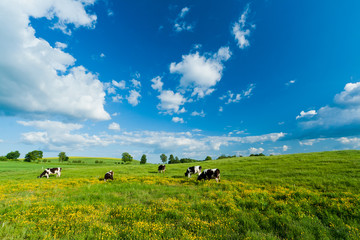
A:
[189,78]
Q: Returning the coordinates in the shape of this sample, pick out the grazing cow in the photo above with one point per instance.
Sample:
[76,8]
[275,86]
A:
[47,172]
[109,175]
[161,168]
[193,170]
[208,174]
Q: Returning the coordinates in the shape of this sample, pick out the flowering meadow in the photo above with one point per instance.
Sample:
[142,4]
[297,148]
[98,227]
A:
[143,204]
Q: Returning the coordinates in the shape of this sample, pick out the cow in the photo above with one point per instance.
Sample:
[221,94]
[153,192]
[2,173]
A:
[161,168]
[193,170]
[47,172]
[208,174]
[109,175]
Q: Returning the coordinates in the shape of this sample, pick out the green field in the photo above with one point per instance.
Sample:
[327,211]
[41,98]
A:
[299,196]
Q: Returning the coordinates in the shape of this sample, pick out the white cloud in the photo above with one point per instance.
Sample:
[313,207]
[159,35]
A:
[60,45]
[170,102]
[180,25]
[186,141]
[307,114]
[157,83]
[118,98]
[136,83]
[200,114]
[39,78]
[253,150]
[239,30]
[114,126]
[231,97]
[221,109]
[58,136]
[310,142]
[290,82]
[354,142]
[102,55]
[121,84]
[285,148]
[343,113]
[178,120]
[200,74]
[133,98]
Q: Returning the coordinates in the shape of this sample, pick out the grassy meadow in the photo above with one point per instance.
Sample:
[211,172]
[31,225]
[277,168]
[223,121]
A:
[298,196]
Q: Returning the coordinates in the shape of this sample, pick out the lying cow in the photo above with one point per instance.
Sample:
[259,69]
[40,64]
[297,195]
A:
[193,170]
[109,175]
[208,174]
[47,172]
[161,168]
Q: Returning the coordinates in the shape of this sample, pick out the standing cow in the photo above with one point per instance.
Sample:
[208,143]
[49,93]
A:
[208,174]
[161,168]
[109,175]
[193,170]
[47,172]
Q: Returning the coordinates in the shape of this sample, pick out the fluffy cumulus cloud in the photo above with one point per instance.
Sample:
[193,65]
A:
[341,117]
[39,78]
[133,97]
[180,24]
[253,150]
[171,102]
[200,114]
[200,74]
[157,83]
[58,136]
[307,114]
[121,84]
[114,126]
[240,30]
[178,120]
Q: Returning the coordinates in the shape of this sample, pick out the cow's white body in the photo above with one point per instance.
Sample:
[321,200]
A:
[193,170]
[208,174]
[49,171]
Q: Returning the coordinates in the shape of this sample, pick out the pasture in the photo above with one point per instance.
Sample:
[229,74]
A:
[298,196]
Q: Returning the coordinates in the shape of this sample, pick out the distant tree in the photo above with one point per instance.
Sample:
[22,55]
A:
[257,155]
[126,157]
[187,160]
[171,158]
[143,159]
[13,155]
[34,155]
[163,158]
[177,160]
[63,157]
[208,158]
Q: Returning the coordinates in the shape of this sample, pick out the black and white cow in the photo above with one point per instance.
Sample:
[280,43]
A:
[208,174]
[47,172]
[109,175]
[161,168]
[193,170]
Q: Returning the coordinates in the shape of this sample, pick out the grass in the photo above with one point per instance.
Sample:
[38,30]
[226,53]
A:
[300,196]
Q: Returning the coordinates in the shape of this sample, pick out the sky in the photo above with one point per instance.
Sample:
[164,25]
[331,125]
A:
[199,78]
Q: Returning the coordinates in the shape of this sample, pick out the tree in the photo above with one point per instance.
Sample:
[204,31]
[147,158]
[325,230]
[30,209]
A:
[208,158]
[163,158]
[34,155]
[143,159]
[126,157]
[171,158]
[63,157]
[13,155]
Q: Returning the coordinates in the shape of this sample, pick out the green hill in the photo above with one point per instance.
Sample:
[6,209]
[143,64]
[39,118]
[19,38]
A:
[296,196]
